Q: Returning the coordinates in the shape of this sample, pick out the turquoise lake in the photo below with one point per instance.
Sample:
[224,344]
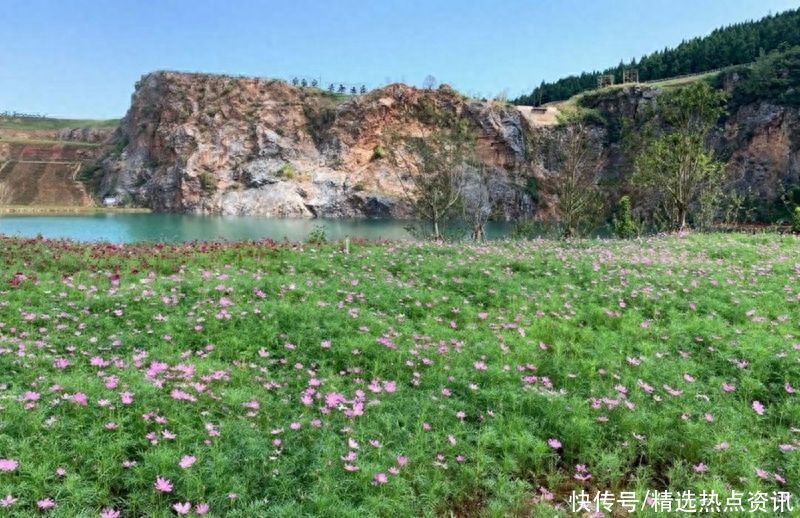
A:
[131,228]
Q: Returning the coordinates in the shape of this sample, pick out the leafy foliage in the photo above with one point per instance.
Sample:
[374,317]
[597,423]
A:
[623,224]
[775,78]
[732,45]
[796,220]
[674,165]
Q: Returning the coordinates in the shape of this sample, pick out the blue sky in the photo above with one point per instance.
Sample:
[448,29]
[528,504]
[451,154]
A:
[81,58]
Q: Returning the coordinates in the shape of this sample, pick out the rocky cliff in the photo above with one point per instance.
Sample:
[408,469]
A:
[759,140]
[210,144]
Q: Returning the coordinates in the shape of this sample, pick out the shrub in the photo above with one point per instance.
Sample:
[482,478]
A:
[378,152]
[532,188]
[87,172]
[207,182]
[796,220]
[523,229]
[624,226]
[317,235]
[287,171]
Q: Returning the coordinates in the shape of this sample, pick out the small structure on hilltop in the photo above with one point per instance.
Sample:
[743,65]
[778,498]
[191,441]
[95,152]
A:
[630,75]
[604,80]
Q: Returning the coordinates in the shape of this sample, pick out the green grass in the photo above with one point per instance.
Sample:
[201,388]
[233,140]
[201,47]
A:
[46,123]
[76,143]
[617,349]
[572,105]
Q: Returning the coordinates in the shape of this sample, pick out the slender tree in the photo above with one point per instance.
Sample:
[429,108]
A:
[574,160]
[675,165]
[476,200]
[433,173]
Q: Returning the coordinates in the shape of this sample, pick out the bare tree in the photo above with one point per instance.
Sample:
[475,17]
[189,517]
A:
[574,161]
[433,173]
[429,83]
[476,202]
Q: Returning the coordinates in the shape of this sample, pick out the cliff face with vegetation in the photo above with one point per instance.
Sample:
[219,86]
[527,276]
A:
[758,139]
[209,144]
[199,143]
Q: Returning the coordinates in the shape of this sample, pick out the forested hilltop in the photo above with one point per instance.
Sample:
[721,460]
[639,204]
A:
[732,45]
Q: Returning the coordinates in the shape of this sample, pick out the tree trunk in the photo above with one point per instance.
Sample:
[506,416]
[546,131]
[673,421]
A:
[477,232]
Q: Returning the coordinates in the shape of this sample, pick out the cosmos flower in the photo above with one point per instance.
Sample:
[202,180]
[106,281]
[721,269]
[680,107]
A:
[182,508]
[163,485]
[45,504]
[187,461]
[8,464]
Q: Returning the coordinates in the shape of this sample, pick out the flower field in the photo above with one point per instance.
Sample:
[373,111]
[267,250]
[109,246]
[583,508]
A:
[401,379]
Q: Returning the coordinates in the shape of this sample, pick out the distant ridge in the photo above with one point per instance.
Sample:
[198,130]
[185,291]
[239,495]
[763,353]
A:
[735,44]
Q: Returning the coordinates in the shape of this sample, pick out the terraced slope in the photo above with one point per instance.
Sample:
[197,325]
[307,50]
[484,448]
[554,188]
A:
[43,172]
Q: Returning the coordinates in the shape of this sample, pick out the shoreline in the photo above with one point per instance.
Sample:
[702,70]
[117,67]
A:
[55,210]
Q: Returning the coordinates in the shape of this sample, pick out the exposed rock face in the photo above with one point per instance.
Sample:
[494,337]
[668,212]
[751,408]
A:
[210,144]
[760,142]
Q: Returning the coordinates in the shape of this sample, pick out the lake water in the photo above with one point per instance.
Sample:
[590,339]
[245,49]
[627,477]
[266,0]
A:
[129,228]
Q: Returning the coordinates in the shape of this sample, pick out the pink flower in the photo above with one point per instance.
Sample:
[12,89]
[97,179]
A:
[380,478]
[727,387]
[758,407]
[163,485]
[126,398]
[722,446]
[61,472]
[480,365]
[182,508]
[760,473]
[201,509]
[45,504]
[8,464]
[8,501]
[109,513]
[401,460]
[187,461]
[700,468]
[80,399]
[789,388]
[554,443]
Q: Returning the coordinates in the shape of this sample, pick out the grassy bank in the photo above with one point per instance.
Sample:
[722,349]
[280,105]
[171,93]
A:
[401,379]
[48,123]
[42,210]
